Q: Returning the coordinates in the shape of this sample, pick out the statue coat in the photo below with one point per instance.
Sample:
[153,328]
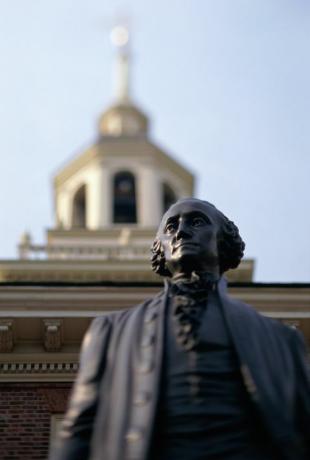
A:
[114,400]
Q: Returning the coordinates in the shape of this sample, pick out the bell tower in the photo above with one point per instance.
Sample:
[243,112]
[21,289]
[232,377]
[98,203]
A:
[110,198]
[123,178]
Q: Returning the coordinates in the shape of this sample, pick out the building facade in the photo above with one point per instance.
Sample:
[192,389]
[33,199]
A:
[108,203]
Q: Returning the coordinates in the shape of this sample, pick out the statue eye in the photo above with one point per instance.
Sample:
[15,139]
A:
[198,221]
[170,228]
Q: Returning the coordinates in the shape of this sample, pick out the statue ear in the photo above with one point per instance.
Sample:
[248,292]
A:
[156,246]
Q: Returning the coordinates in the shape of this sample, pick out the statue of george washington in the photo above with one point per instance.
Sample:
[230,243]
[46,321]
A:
[190,374]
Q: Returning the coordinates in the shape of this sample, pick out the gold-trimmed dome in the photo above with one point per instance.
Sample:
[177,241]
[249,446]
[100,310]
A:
[123,119]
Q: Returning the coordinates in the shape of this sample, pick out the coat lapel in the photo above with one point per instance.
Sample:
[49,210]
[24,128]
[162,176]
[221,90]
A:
[146,375]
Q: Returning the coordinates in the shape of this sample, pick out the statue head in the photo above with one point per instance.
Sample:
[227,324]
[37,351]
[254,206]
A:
[195,236]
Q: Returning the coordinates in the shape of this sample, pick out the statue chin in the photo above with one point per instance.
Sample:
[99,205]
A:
[203,277]
[189,263]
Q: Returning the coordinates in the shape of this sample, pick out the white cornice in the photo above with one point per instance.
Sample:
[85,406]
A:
[28,371]
[80,270]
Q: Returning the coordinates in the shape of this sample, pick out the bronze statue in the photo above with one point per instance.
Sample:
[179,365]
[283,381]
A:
[190,374]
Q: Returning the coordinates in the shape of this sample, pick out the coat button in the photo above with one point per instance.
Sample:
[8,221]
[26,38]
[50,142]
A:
[147,341]
[145,367]
[142,398]
[150,316]
[133,435]
[248,380]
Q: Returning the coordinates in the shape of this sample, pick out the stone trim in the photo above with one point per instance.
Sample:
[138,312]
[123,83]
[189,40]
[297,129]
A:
[53,336]
[38,368]
[6,335]
[94,270]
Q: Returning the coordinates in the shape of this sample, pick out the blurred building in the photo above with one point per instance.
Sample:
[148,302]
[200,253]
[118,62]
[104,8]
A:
[108,203]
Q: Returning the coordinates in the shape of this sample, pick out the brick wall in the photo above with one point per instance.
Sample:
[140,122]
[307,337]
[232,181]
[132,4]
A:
[25,416]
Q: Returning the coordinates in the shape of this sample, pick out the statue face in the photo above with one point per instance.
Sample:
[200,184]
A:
[188,234]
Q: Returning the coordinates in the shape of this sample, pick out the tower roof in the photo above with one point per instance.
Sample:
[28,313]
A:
[123,119]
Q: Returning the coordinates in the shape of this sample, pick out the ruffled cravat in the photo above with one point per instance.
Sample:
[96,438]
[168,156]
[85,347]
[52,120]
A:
[189,300]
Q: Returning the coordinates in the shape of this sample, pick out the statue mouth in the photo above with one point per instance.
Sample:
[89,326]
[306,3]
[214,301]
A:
[185,244]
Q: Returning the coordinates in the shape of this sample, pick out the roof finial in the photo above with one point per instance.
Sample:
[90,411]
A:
[120,38]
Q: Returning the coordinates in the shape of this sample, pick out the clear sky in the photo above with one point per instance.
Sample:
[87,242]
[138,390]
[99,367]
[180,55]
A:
[226,83]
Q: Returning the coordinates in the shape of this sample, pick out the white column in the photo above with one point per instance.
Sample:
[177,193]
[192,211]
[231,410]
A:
[93,196]
[98,198]
[64,208]
[148,197]
[105,218]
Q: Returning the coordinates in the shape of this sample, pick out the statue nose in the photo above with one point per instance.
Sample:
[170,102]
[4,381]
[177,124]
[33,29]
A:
[182,231]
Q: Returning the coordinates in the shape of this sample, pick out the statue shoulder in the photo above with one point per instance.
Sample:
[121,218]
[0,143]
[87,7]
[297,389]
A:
[247,313]
[112,319]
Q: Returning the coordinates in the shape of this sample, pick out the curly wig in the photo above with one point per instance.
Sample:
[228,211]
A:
[230,247]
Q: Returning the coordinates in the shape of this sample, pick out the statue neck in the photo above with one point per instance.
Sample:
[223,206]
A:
[197,284]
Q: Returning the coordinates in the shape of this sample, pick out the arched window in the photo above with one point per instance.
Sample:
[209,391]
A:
[124,193]
[168,197]
[79,208]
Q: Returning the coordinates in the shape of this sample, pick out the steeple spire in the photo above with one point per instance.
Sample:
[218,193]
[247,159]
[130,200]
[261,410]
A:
[123,118]
[120,39]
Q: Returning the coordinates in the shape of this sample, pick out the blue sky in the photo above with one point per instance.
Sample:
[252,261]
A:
[227,86]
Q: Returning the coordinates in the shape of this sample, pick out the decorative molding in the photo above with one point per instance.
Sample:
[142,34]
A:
[282,302]
[38,368]
[91,270]
[102,235]
[114,252]
[137,148]
[6,335]
[53,339]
